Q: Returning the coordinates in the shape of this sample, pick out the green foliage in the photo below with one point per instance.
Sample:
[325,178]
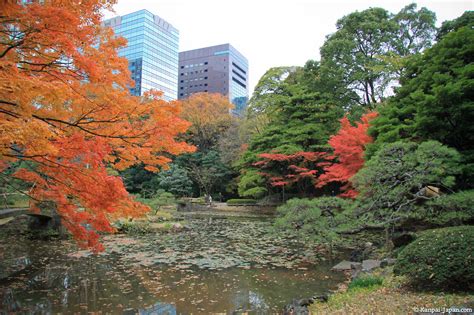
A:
[161,216]
[314,220]
[440,258]
[348,56]
[452,209]
[139,181]
[13,200]
[175,181]
[467,19]
[391,183]
[302,119]
[161,198]
[133,227]
[365,282]
[241,202]
[268,91]
[366,54]
[435,100]
[252,184]
[207,172]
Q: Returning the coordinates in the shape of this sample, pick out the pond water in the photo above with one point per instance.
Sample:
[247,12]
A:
[218,265]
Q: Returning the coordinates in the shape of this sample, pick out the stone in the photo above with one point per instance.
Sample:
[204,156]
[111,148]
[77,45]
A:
[345,265]
[355,270]
[370,264]
[321,298]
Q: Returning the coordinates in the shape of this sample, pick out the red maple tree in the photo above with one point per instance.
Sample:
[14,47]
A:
[348,145]
[285,170]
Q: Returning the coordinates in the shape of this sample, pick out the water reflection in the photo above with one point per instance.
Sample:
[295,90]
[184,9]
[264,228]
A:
[111,283]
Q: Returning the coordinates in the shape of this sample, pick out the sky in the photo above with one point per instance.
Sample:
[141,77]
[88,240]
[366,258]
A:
[270,33]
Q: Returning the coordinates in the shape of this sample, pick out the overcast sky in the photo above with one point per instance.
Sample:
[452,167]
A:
[269,33]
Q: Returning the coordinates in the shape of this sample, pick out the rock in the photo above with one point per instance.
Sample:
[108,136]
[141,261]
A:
[298,307]
[321,298]
[402,239]
[370,264]
[387,262]
[345,265]
[355,270]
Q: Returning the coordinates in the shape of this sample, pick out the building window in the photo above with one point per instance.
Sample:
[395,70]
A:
[182,67]
[205,78]
[205,63]
[239,83]
[182,73]
[238,74]
[233,63]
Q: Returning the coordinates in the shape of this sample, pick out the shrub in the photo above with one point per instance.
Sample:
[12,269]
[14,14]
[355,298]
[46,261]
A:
[241,202]
[453,209]
[313,219]
[133,227]
[366,282]
[160,199]
[440,258]
[391,182]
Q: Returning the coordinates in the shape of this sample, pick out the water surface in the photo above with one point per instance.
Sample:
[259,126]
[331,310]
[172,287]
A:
[219,265]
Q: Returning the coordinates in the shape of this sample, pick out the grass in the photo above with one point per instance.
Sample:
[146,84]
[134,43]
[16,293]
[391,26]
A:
[392,296]
[14,201]
[366,282]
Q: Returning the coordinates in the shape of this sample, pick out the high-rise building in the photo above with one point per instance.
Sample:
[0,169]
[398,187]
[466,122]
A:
[217,69]
[152,51]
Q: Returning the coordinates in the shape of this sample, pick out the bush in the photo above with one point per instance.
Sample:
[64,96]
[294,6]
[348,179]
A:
[133,227]
[366,282]
[453,209]
[313,219]
[160,199]
[391,182]
[241,202]
[440,258]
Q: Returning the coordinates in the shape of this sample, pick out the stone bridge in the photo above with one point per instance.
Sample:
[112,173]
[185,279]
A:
[41,219]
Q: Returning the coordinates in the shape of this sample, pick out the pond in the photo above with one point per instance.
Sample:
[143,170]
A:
[219,264]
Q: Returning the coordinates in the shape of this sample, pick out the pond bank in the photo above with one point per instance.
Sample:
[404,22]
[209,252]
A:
[392,297]
[224,207]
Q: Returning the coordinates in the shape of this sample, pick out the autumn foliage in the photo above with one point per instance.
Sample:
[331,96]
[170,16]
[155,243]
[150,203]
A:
[322,168]
[65,110]
[285,170]
[348,147]
[209,114]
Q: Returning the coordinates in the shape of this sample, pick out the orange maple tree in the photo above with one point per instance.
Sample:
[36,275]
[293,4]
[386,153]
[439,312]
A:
[65,109]
[209,115]
[348,146]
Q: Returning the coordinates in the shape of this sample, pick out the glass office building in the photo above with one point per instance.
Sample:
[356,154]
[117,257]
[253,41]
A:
[216,69]
[152,51]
